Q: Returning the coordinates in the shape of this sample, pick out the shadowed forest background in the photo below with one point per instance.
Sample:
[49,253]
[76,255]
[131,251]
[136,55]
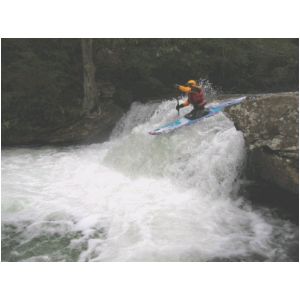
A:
[43,79]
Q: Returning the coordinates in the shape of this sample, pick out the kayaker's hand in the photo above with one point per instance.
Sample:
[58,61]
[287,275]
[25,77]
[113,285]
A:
[178,106]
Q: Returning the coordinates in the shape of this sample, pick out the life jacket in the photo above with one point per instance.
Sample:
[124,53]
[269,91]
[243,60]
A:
[197,97]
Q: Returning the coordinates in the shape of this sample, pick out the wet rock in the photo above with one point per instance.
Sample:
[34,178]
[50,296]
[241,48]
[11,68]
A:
[96,127]
[92,129]
[270,124]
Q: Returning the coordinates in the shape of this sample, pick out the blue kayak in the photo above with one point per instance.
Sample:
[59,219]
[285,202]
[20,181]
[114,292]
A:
[211,111]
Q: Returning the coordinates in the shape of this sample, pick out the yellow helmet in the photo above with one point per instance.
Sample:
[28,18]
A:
[191,83]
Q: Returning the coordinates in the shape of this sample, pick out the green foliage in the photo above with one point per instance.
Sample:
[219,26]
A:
[150,67]
[42,79]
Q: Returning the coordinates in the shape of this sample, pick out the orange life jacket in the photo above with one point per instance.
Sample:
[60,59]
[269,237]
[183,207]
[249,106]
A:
[196,96]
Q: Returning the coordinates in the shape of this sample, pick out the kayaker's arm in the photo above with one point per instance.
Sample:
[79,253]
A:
[184,89]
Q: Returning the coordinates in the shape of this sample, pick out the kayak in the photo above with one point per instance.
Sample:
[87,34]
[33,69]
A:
[211,111]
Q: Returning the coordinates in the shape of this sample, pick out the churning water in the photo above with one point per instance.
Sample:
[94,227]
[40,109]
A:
[138,197]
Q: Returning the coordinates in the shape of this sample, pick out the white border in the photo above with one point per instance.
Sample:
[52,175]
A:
[149,281]
[149,18]
[132,18]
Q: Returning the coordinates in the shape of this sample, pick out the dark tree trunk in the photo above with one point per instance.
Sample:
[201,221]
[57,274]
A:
[89,83]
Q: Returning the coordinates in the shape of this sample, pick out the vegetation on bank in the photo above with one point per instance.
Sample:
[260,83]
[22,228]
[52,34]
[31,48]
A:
[49,84]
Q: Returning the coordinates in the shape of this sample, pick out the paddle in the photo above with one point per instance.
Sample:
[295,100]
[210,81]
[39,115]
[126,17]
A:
[176,86]
[178,104]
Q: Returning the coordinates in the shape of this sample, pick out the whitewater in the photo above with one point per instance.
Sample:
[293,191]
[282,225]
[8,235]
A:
[138,197]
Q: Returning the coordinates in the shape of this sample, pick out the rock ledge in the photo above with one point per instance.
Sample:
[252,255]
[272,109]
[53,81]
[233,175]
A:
[270,124]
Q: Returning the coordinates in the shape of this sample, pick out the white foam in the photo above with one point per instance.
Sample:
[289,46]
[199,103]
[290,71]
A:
[138,197]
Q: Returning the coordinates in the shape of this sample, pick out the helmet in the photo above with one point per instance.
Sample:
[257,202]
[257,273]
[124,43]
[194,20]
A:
[191,83]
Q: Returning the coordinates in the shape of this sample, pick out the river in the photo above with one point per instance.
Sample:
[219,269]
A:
[138,197]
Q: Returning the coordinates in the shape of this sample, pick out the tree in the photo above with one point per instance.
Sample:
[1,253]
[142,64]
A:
[89,82]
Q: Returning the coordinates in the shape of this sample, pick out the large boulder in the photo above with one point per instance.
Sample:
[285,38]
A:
[270,124]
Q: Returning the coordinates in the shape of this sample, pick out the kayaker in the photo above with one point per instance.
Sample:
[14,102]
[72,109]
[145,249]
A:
[196,97]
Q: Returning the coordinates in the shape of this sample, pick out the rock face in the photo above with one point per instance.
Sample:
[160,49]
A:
[93,128]
[270,124]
